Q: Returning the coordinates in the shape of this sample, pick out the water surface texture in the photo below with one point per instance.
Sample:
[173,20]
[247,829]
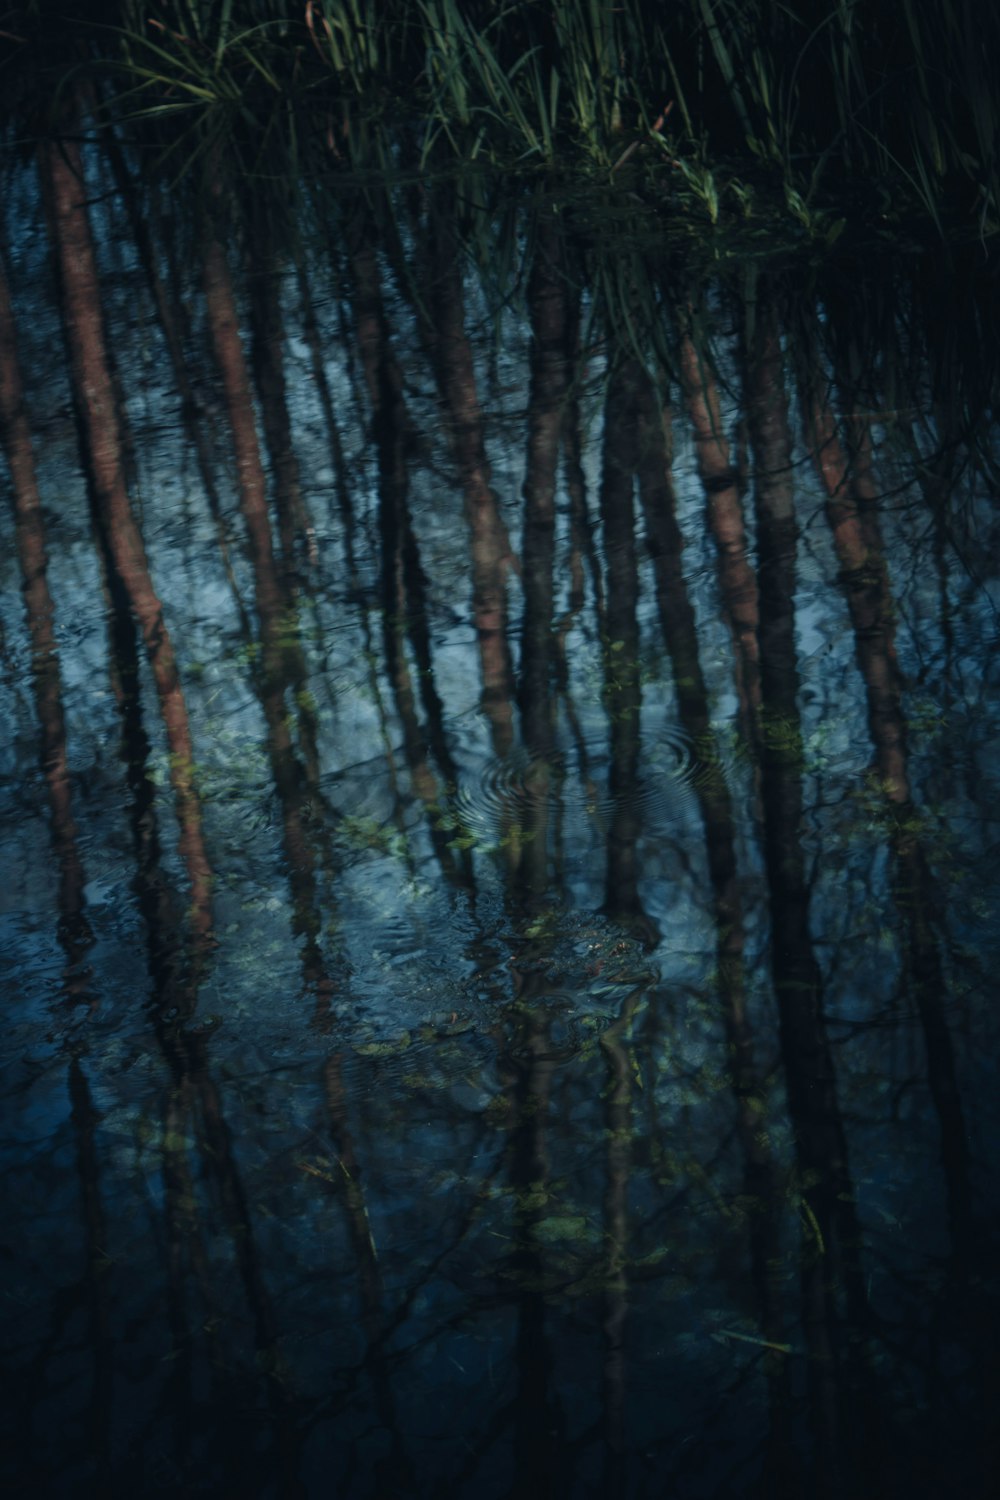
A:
[497,971]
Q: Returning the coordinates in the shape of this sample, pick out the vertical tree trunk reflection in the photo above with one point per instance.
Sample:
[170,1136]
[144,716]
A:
[281,665]
[267,357]
[581,529]
[527,1068]
[29,529]
[98,415]
[169,313]
[619,1128]
[678,622]
[831,1234]
[622,690]
[725,519]
[547,310]
[402,581]
[848,477]
[489,543]
[96,1278]
[223,1170]
[396,1472]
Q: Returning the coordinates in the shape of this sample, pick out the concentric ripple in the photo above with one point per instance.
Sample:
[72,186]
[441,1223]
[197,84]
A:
[576,784]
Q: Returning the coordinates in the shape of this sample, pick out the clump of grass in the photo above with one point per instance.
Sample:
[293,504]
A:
[892,106]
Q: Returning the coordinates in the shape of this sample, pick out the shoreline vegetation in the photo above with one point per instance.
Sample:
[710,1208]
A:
[799,122]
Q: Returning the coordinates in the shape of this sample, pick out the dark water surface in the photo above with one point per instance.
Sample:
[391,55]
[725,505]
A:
[553,1049]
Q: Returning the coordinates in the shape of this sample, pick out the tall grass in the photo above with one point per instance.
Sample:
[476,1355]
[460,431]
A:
[889,106]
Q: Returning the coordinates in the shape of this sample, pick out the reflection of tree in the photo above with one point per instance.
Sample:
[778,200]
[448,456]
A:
[403,611]
[192,1106]
[29,530]
[581,529]
[281,667]
[622,690]
[568,1108]
[151,242]
[97,411]
[619,1128]
[313,335]
[677,619]
[848,480]
[489,543]
[267,359]
[548,314]
[527,1065]
[847,472]
[96,1279]
[395,1471]
[842,1419]
[221,1166]
[725,519]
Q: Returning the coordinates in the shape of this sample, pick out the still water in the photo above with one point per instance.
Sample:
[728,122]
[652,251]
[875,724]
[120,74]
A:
[548,1047]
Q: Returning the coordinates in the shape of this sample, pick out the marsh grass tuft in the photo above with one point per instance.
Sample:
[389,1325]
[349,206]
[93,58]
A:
[807,112]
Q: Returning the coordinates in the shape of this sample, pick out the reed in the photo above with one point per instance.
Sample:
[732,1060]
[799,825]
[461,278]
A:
[812,111]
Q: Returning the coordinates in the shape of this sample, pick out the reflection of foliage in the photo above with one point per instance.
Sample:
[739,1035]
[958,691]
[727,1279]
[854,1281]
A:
[925,718]
[883,815]
[369,833]
[782,736]
[809,754]
[384,1049]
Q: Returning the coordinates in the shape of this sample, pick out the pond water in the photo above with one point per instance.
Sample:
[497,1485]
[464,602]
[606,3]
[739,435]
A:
[550,1048]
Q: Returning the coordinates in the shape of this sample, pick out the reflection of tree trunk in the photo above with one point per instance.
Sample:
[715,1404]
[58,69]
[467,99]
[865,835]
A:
[15,440]
[618,1129]
[490,545]
[280,664]
[224,331]
[547,306]
[173,983]
[267,354]
[725,519]
[98,415]
[397,543]
[581,531]
[538,1420]
[848,481]
[170,320]
[354,1198]
[851,496]
[186,1257]
[396,1472]
[221,1165]
[174,995]
[317,364]
[418,630]
[680,634]
[831,1234]
[96,1277]
[582,549]
[281,650]
[622,691]
[920,905]
[311,333]
[180,1231]
[402,579]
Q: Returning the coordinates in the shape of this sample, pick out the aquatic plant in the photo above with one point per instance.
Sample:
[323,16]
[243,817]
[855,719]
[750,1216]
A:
[890,109]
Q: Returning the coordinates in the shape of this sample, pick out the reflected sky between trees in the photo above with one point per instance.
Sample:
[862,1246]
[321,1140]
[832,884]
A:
[500,857]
